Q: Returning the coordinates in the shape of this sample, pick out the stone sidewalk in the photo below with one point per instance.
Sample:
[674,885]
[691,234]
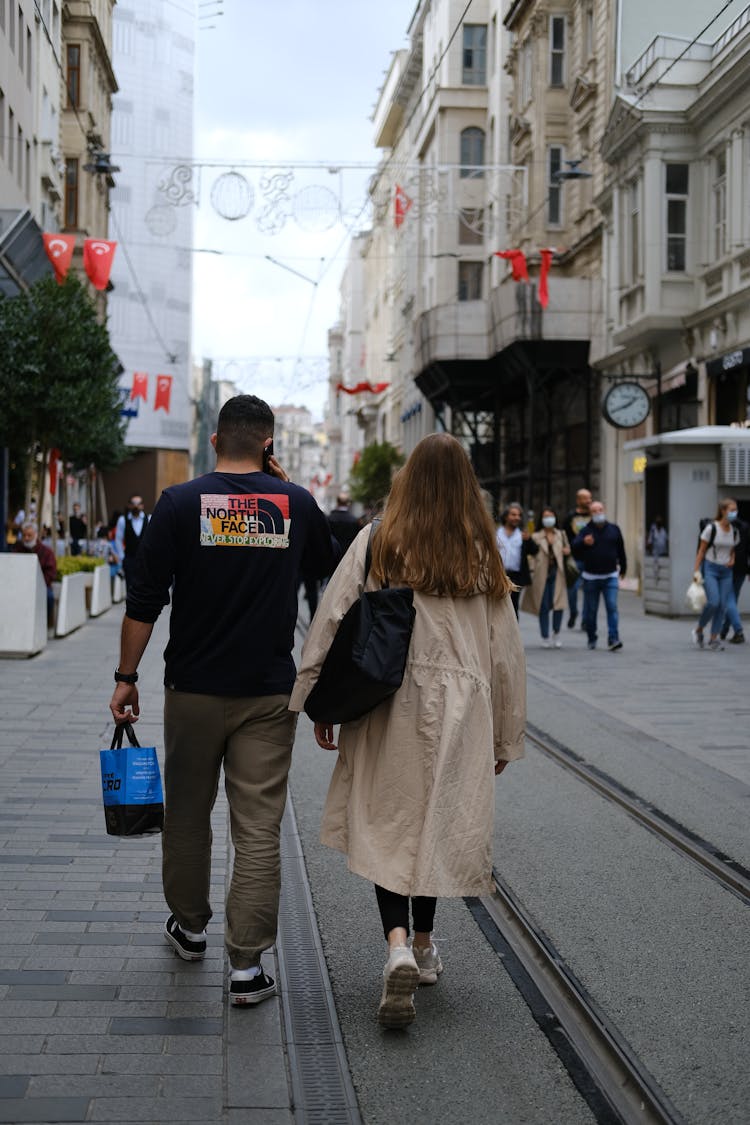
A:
[99,1019]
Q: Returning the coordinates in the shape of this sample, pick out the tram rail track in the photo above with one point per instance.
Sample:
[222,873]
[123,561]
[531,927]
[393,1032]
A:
[614,1081]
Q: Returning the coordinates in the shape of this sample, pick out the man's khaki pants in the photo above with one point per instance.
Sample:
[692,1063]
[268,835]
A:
[252,738]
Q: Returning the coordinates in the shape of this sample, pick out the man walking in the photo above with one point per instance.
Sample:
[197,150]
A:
[231,544]
[344,526]
[129,534]
[78,530]
[739,570]
[575,520]
[600,548]
[515,546]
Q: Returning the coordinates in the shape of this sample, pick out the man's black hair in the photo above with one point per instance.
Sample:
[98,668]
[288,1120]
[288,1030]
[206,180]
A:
[245,422]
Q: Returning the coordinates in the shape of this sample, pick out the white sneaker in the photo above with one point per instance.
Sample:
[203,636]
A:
[546,644]
[400,979]
[557,642]
[428,962]
[697,637]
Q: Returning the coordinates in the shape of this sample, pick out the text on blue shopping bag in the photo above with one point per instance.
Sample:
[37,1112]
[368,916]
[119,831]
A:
[130,776]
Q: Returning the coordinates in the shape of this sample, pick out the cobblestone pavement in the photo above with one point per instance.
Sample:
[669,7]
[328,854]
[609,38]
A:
[99,1020]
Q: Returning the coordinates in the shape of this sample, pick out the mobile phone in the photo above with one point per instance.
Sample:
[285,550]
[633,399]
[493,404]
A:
[267,452]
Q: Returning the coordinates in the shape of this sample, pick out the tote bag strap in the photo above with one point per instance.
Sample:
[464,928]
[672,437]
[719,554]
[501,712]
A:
[120,729]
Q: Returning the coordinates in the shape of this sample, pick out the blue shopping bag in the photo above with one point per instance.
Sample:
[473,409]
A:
[131,786]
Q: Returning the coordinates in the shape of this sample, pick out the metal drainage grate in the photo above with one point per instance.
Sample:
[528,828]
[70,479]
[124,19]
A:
[321,1086]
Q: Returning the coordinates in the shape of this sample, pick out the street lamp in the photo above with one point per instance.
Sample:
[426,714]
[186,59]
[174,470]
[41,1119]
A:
[573,172]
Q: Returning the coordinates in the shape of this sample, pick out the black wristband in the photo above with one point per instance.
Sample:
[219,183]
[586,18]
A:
[126,677]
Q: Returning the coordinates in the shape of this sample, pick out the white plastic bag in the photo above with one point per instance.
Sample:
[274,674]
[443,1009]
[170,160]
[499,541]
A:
[696,594]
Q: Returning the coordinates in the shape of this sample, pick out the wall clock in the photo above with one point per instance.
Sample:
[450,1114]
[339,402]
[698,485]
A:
[626,405]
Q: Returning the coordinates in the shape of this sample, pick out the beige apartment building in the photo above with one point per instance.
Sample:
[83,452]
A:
[88,85]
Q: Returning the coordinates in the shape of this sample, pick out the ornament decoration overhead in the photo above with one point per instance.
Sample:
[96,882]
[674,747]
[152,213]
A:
[546,257]
[360,388]
[55,470]
[59,249]
[98,255]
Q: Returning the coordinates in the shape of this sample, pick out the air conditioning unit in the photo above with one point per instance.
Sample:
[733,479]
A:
[735,464]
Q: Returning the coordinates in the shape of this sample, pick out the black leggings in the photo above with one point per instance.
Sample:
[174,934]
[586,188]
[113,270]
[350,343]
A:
[394,911]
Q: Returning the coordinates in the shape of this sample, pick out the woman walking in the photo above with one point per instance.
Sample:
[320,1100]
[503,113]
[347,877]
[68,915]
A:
[548,592]
[716,554]
[411,799]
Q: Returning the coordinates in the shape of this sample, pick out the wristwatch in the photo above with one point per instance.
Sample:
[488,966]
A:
[126,677]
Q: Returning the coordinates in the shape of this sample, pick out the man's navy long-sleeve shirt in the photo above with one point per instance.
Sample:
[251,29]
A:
[231,547]
[607,552]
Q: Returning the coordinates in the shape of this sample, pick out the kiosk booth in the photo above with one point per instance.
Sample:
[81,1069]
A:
[687,473]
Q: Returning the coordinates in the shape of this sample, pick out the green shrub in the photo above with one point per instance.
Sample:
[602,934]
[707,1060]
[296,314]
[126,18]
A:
[75,564]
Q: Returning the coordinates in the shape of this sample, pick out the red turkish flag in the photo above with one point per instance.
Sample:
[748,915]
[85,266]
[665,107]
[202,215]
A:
[59,250]
[402,204]
[546,256]
[163,392]
[98,255]
[371,388]
[517,260]
[140,386]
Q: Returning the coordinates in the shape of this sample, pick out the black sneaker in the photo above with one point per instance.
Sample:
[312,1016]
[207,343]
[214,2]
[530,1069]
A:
[183,946]
[572,620]
[737,639]
[723,633]
[615,646]
[243,991]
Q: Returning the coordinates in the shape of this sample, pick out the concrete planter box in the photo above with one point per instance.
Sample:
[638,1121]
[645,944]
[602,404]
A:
[71,608]
[101,592]
[23,606]
[118,589]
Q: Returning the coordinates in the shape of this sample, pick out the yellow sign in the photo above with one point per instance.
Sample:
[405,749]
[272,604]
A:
[639,464]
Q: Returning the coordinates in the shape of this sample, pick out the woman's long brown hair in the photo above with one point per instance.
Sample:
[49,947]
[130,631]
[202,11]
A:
[437,535]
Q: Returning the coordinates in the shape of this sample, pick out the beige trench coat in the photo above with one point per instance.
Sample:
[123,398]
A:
[412,797]
[531,598]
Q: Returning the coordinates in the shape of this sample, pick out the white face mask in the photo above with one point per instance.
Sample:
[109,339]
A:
[599,518]
[548,521]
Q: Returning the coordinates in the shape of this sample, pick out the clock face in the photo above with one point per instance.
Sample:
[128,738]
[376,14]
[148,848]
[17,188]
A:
[626,405]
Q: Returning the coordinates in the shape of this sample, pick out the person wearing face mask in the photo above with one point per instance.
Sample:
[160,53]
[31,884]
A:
[600,549]
[715,561]
[548,591]
[30,544]
[128,534]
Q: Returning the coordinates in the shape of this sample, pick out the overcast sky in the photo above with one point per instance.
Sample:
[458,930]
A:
[293,81]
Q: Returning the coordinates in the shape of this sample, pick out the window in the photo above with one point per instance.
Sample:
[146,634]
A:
[12,26]
[28,57]
[588,34]
[19,163]
[11,138]
[557,50]
[469,281]
[677,191]
[720,206]
[554,188]
[493,45]
[73,80]
[71,194]
[2,120]
[475,55]
[634,202]
[472,153]
[2,15]
[20,38]
[471,227]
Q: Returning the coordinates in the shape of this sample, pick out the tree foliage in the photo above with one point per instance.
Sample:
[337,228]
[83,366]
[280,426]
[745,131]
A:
[59,375]
[370,478]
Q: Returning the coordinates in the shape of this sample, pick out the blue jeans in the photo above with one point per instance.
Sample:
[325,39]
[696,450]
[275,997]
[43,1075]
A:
[573,595]
[548,598]
[732,616]
[592,588]
[717,582]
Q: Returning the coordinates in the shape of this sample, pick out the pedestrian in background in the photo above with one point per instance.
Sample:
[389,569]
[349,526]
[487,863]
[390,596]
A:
[230,546]
[715,561]
[600,549]
[30,544]
[129,535]
[78,530]
[343,523]
[739,570]
[547,594]
[515,546]
[575,520]
[411,799]
[657,540]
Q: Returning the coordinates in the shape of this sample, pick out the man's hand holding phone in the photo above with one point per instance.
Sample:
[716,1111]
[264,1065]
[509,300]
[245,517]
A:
[271,465]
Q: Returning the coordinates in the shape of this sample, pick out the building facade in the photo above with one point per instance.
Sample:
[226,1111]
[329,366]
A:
[152,217]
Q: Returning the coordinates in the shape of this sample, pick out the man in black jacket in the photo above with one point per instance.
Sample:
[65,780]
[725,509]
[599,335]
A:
[230,546]
[600,548]
[344,526]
